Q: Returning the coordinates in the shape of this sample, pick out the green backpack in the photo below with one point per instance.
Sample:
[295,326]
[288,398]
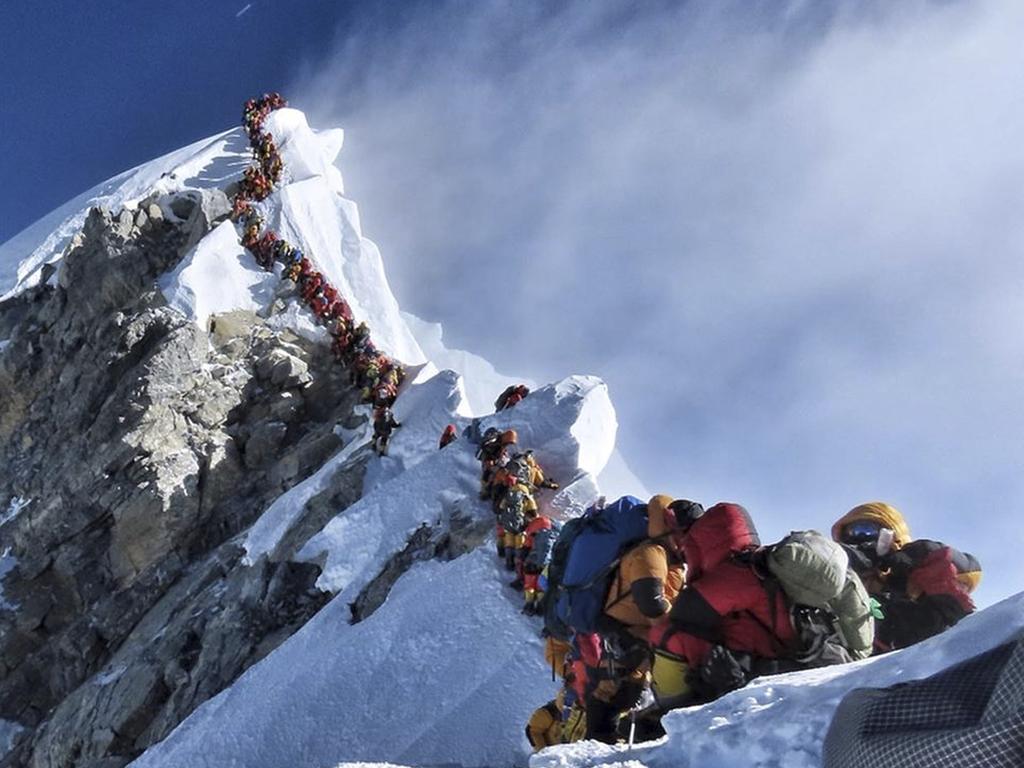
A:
[831,609]
[513,513]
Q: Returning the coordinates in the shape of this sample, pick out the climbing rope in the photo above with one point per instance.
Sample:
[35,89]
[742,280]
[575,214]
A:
[377,374]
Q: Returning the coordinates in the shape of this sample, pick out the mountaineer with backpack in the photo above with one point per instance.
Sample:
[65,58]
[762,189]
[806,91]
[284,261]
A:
[516,509]
[749,610]
[383,425]
[563,719]
[538,542]
[448,437]
[493,452]
[520,468]
[614,571]
[513,394]
[545,726]
[533,474]
[644,584]
[923,586]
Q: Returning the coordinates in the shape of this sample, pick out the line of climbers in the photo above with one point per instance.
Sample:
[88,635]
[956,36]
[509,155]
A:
[653,606]
[375,374]
[649,607]
[511,478]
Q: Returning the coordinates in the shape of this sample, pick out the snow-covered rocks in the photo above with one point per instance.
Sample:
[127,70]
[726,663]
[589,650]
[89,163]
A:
[218,275]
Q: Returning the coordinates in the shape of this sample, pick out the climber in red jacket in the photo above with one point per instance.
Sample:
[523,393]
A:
[725,606]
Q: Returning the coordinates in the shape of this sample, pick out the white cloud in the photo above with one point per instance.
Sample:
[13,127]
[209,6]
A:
[790,241]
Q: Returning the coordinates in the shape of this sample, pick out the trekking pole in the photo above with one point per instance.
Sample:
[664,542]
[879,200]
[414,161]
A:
[632,729]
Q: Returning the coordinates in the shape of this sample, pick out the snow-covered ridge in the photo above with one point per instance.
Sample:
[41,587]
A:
[210,163]
[570,424]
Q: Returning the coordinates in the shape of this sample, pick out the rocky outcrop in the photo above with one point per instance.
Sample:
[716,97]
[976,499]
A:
[135,448]
[460,532]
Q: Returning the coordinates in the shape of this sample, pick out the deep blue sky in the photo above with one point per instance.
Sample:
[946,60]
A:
[94,88]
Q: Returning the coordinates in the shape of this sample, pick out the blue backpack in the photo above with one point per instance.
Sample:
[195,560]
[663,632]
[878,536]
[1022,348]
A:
[583,561]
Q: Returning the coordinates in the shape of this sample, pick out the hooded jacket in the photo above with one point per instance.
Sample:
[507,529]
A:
[649,575]
[924,586]
[724,602]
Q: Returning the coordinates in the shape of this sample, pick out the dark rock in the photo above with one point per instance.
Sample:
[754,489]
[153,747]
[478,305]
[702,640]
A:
[133,434]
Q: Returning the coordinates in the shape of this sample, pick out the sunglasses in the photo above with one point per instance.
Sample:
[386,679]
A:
[861,531]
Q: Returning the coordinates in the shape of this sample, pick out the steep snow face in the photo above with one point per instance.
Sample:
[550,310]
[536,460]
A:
[314,217]
[781,722]
[447,669]
[218,275]
[446,672]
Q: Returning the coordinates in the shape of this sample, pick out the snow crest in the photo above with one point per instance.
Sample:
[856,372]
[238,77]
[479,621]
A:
[781,721]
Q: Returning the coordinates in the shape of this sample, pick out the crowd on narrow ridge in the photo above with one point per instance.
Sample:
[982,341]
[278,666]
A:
[649,606]
[659,605]
[376,374]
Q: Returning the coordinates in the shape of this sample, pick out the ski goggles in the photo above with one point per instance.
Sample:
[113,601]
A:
[860,531]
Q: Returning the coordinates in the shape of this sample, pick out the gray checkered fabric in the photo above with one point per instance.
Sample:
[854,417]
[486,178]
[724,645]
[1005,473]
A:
[968,716]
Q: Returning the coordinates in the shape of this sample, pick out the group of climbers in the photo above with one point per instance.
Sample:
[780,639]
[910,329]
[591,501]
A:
[374,373]
[510,478]
[662,597]
[661,605]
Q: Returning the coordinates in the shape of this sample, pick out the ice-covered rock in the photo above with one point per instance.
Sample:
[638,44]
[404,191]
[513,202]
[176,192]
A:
[218,275]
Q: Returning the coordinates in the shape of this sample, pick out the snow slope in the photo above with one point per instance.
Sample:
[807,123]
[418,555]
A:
[448,657]
[446,672]
[780,722]
[212,162]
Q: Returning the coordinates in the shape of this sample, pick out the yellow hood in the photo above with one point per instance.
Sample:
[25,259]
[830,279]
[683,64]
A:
[880,512]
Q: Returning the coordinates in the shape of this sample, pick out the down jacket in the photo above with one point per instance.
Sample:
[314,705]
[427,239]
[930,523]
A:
[725,602]
[924,586]
[649,576]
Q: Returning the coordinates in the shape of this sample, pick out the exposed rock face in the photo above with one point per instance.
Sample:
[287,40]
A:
[143,444]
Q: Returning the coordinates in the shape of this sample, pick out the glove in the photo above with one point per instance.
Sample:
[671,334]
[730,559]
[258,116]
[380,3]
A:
[863,558]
